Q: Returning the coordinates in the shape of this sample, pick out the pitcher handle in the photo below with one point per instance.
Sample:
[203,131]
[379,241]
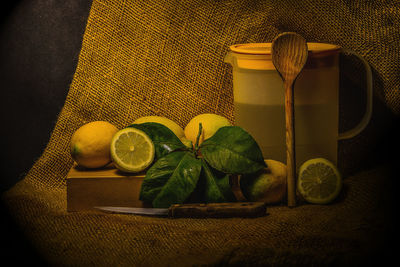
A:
[368,110]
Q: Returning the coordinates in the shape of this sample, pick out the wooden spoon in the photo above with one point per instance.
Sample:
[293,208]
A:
[289,55]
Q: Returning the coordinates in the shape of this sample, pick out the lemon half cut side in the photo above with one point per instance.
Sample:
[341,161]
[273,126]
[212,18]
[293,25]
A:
[132,150]
[319,181]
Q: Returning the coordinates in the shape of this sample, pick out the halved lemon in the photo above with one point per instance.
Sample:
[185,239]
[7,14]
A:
[319,181]
[132,150]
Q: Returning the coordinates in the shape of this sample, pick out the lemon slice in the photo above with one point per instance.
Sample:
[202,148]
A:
[319,181]
[132,150]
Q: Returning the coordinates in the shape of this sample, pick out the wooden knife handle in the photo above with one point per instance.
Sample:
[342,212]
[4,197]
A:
[218,210]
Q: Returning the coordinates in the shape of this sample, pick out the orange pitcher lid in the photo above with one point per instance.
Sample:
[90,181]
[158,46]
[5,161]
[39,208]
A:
[315,49]
[257,56]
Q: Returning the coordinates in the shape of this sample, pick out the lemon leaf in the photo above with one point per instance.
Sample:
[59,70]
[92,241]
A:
[165,141]
[232,150]
[213,186]
[171,179]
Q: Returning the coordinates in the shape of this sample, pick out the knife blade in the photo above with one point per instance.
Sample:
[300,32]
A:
[196,210]
[132,210]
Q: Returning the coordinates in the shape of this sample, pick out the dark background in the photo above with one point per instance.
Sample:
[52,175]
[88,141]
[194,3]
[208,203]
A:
[40,44]
[39,49]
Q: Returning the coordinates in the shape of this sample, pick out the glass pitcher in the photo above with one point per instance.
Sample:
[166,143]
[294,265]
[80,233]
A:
[259,101]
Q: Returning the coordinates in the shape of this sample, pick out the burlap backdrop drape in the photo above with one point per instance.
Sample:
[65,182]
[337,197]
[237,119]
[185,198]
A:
[166,58]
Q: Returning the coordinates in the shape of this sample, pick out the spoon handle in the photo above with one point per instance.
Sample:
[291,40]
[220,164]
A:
[289,55]
[290,143]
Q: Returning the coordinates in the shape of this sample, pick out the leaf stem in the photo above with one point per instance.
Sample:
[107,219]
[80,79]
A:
[196,146]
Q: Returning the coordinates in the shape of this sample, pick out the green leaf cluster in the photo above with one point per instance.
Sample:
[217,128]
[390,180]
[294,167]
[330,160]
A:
[202,174]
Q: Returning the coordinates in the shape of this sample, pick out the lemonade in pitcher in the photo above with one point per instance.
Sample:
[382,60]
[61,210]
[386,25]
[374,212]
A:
[260,110]
[259,101]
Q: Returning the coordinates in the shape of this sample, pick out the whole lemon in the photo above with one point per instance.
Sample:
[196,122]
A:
[90,144]
[173,126]
[210,124]
[267,185]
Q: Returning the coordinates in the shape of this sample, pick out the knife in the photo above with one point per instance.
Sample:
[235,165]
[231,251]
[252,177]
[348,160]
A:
[197,210]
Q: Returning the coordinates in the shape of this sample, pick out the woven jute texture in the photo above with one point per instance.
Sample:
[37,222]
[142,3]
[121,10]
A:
[166,58]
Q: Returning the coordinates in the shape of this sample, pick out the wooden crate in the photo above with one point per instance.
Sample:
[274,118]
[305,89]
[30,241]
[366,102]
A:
[102,187]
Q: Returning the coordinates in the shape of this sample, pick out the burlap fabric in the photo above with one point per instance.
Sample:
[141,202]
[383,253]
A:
[166,58]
